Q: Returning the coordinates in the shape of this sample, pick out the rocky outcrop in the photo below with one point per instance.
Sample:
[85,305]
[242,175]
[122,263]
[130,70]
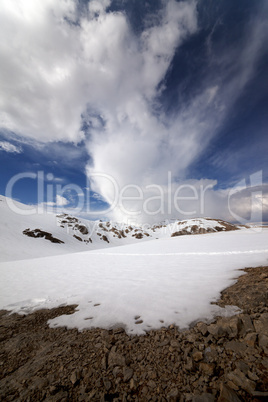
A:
[138,235]
[82,228]
[105,238]
[224,360]
[77,237]
[38,233]
[108,230]
[196,226]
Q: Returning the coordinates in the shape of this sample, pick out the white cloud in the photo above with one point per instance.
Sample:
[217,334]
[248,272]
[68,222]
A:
[57,206]
[159,42]
[61,201]
[188,199]
[97,196]
[53,71]
[98,6]
[37,70]
[8,147]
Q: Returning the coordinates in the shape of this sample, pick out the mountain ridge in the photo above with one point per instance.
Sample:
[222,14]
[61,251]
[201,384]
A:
[44,234]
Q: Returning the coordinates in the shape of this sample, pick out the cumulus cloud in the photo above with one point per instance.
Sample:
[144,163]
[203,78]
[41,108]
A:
[187,199]
[8,147]
[63,70]
[54,70]
[61,201]
[59,205]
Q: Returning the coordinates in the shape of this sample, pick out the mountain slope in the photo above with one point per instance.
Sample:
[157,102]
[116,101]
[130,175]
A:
[42,234]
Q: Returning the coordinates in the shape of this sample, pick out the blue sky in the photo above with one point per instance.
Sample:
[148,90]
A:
[134,90]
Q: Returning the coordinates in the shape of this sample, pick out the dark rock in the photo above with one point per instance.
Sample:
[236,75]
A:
[128,373]
[203,328]
[239,379]
[191,338]
[242,366]
[173,395]
[263,341]
[207,368]
[77,237]
[82,228]
[216,330]
[151,384]
[138,235]
[105,238]
[37,233]
[117,371]
[175,344]
[75,377]
[107,384]
[246,325]
[116,359]
[261,324]
[227,394]
[252,376]
[260,395]
[251,339]
[203,398]
[210,354]
[189,364]
[236,346]
[104,362]
[164,343]
[197,356]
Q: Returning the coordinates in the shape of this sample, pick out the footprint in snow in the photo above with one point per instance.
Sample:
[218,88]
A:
[137,319]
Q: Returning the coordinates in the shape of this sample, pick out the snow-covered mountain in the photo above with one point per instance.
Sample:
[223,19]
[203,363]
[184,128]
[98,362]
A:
[42,234]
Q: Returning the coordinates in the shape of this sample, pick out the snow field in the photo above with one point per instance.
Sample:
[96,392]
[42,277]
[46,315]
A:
[139,286]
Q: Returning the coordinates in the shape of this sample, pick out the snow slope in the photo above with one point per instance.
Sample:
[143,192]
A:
[75,234]
[31,236]
[138,286]
[15,245]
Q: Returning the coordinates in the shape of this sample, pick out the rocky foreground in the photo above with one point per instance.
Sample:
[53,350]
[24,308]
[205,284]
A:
[224,361]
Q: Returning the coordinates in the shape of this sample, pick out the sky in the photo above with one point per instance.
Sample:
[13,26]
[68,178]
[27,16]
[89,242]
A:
[148,110]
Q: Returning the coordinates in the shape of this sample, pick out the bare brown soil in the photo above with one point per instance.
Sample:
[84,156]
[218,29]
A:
[222,361]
